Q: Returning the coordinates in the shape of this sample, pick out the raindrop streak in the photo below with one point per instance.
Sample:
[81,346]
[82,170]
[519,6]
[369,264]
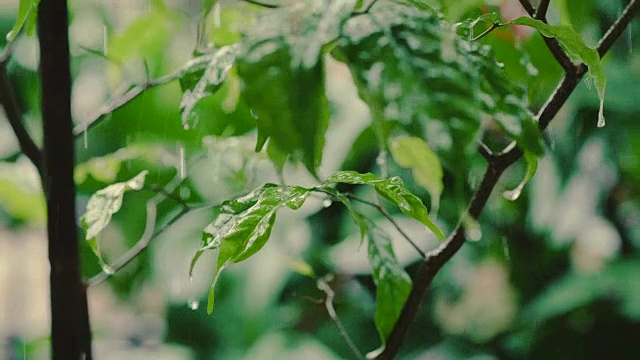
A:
[216,15]
[193,304]
[326,203]
[505,248]
[105,41]
[84,137]
[183,171]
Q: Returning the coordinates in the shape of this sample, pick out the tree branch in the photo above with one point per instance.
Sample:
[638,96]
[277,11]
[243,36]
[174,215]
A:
[14,116]
[554,46]
[70,329]
[497,165]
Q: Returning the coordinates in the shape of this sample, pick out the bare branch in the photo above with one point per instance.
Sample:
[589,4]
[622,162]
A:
[485,151]
[323,285]
[528,7]
[497,165]
[365,10]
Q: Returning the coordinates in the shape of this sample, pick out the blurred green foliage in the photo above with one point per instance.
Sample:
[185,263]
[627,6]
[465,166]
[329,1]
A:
[552,274]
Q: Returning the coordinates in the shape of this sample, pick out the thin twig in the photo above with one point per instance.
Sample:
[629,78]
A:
[497,165]
[365,10]
[386,214]
[328,303]
[493,26]
[132,92]
[528,7]
[260,3]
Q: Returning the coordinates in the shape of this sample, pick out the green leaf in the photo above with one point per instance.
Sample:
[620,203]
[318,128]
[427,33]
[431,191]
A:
[573,44]
[101,207]
[532,166]
[243,225]
[415,154]
[212,74]
[282,68]
[27,16]
[415,71]
[392,189]
[393,285]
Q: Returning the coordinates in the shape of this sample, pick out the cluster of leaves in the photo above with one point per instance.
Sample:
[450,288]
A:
[412,69]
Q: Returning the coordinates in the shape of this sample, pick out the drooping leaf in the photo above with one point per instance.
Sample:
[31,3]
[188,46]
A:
[243,226]
[415,154]
[101,207]
[393,285]
[573,44]
[282,68]
[392,189]
[27,15]
[414,71]
[212,74]
[532,166]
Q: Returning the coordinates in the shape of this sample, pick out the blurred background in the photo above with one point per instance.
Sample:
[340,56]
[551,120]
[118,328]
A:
[554,274]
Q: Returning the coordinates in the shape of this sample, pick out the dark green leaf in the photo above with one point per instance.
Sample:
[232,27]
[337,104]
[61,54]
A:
[393,285]
[282,68]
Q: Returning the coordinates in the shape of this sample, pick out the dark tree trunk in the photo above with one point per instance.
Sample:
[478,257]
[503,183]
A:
[70,332]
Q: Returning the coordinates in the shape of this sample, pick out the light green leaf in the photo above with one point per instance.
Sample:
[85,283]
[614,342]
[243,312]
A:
[415,154]
[571,42]
[393,285]
[282,68]
[532,166]
[101,207]
[392,189]
[27,16]
[243,226]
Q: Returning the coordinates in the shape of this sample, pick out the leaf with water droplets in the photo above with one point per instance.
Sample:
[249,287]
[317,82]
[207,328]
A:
[243,225]
[101,207]
[213,73]
[532,166]
[573,44]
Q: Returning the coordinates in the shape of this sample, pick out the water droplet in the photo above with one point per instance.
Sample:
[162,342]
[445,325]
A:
[193,304]
[514,194]
[326,203]
[601,121]
[182,170]
[186,126]
[108,269]
[105,41]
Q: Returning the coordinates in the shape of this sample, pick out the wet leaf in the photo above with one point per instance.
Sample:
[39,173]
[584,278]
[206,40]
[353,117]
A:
[213,73]
[243,226]
[393,285]
[282,68]
[392,189]
[357,216]
[101,207]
